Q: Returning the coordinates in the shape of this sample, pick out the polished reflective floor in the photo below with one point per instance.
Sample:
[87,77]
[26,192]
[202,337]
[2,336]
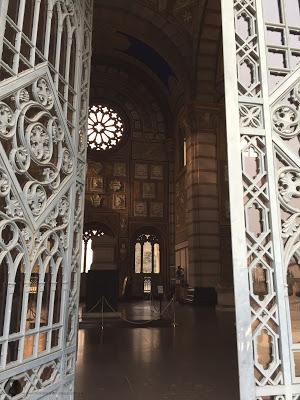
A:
[196,360]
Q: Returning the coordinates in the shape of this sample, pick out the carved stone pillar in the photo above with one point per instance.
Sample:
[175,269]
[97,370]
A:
[103,253]
[225,285]
[171,230]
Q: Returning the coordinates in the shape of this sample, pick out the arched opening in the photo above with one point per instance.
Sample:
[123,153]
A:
[148,263]
[99,269]
[3,291]
[16,316]
[52,42]
[160,184]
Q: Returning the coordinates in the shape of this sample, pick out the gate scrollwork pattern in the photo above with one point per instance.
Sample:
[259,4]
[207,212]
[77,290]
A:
[258,224]
[286,149]
[267,126]
[286,121]
[43,121]
[289,187]
[36,144]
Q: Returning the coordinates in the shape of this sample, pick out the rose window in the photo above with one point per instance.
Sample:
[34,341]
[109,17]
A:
[105,128]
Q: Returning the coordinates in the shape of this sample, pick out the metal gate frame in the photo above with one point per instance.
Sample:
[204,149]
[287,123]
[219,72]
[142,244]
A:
[44,98]
[257,121]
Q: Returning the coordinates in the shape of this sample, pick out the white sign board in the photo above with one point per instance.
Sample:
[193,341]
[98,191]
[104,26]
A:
[160,289]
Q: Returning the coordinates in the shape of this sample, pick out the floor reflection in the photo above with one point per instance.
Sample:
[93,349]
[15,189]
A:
[145,345]
[197,359]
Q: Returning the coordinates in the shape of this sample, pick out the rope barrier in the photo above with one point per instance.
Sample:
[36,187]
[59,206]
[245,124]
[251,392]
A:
[152,305]
[104,300]
[127,320]
[140,322]
[93,308]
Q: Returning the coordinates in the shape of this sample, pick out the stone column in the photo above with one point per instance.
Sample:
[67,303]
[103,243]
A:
[103,253]
[201,122]
[171,230]
[225,285]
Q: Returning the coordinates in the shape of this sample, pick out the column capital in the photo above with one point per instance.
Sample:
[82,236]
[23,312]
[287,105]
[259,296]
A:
[170,147]
[210,107]
[198,116]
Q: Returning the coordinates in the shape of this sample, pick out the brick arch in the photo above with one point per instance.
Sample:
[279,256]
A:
[162,32]
[147,111]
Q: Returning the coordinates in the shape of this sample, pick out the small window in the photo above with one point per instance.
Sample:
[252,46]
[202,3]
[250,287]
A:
[147,254]
[147,284]
[156,260]
[138,259]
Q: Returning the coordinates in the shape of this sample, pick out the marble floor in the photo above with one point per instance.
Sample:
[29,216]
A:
[196,360]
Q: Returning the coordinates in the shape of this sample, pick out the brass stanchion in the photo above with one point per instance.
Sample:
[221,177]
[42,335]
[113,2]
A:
[174,313]
[102,310]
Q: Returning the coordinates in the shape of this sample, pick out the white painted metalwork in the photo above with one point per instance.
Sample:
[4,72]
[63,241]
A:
[263,146]
[45,48]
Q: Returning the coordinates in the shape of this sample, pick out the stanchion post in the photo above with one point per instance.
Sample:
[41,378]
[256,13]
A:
[174,313]
[102,309]
[160,306]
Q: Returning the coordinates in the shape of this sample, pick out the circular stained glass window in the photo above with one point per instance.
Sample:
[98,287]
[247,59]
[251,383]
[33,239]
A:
[105,128]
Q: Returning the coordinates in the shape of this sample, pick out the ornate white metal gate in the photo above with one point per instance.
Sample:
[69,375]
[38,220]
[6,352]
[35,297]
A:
[262,39]
[44,83]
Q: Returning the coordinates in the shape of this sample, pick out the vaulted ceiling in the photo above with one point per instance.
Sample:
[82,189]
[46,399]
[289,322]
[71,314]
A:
[171,47]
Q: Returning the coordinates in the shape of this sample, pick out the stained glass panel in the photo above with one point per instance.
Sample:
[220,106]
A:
[156,259]
[147,258]
[138,258]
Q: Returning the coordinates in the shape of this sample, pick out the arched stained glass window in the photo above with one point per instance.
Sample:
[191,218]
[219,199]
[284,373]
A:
[87,255]
[138,259]
[147,254]
[156,259]
[105,128]
[147,257]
